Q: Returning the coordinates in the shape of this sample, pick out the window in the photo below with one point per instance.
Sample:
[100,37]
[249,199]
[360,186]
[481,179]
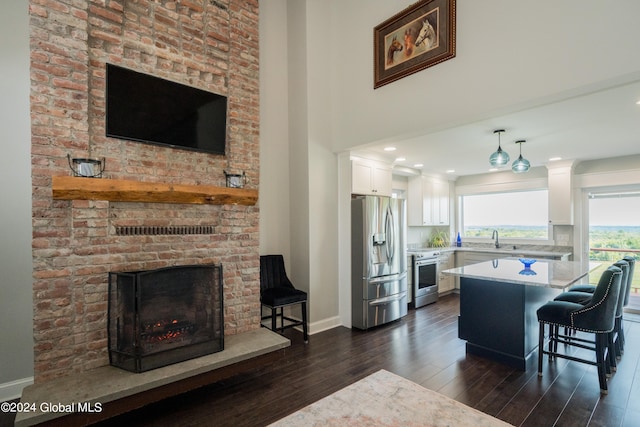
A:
[614,231]
[518,214]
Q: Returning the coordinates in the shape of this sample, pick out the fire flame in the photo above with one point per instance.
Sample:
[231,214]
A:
[166,330]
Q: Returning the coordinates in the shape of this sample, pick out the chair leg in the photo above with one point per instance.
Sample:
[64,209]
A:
[273,319]
[305,331]
[540,347]
[619,341]
[281,319]
[611,354]
[601,345]
[553,345]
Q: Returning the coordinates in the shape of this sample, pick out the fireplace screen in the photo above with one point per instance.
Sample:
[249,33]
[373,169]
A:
[164,316]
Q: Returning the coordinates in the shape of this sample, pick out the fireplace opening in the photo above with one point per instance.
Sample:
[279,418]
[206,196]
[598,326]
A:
[164,316]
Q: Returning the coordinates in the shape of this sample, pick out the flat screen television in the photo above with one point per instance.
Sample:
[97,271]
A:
[148,109]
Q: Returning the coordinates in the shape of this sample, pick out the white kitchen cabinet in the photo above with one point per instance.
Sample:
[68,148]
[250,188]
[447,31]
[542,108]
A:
[446,260]
[418,203]
[427,201]
[560,181]
[371,178]
[441,202]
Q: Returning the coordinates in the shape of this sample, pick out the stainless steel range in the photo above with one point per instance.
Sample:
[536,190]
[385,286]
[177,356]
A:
[424,288]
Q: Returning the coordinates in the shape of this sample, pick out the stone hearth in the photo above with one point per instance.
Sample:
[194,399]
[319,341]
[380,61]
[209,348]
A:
[244,350]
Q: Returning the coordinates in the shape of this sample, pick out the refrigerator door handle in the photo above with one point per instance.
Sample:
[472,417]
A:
[389,225]
[384,279]
[388,299]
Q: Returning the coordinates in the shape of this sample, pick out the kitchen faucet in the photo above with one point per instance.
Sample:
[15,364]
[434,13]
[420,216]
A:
[495,236]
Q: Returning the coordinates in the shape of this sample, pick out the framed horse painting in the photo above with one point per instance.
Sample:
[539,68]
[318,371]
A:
[420,36]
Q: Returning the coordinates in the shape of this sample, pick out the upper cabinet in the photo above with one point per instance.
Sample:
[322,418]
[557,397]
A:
[427,201]
[561,193]
[369,177]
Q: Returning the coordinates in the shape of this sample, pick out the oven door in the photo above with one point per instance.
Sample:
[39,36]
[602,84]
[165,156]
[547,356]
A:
[425,281]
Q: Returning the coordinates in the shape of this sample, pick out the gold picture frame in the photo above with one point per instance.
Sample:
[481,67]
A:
[420,36]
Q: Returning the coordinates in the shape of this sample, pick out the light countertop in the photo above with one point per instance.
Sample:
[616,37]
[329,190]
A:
[504,250]
[515,252]
[547,273]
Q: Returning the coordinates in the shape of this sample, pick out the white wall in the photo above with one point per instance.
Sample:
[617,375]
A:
[298,146]
[16,351]
[510,55]
[298,184]
[323,169]
[274,199]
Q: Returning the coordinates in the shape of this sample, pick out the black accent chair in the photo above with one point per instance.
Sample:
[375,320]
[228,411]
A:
[277,292]
[597,317]
[617,335]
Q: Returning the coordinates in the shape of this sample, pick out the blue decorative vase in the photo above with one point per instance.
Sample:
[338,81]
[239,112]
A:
[527,262]
[527,267]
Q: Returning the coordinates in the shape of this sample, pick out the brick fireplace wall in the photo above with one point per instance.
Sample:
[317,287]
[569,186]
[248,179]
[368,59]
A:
[209,44]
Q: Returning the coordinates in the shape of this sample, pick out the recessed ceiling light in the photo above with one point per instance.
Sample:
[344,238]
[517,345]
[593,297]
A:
[450,170]
[555,159]
[389,148]
[637,102]
[418,165]
[493,170]
[400,159]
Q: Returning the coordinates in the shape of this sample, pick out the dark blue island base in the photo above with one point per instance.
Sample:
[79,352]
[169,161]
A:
[498,319]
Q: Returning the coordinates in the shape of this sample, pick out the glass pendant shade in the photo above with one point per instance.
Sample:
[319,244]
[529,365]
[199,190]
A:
[499,158]
[521,164]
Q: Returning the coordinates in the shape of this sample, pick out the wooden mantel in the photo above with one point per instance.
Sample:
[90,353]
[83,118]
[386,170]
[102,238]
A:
[117,190]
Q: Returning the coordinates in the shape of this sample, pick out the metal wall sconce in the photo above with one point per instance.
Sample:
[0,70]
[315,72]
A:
[235,180]
[87,168]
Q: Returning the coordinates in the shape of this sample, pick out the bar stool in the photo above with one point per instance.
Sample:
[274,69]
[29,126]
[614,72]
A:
[615,336]
[597,317]
[619,340]
[584,298]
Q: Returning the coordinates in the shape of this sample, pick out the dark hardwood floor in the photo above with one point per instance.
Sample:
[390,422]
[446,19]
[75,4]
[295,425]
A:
[422,347]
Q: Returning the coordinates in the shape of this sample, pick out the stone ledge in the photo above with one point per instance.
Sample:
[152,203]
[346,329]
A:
[109,385]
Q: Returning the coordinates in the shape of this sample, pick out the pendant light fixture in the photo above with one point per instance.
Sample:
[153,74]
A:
[521,164]
[499,158]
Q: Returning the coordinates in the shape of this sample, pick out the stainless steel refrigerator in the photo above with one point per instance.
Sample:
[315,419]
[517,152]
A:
[378,261]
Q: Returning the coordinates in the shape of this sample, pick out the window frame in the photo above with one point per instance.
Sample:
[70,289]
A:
[535,185]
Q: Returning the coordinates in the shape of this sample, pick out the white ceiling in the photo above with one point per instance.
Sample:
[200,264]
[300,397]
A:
[601,124]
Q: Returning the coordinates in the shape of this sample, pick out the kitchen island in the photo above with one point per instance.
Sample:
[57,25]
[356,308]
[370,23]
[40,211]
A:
[498,303]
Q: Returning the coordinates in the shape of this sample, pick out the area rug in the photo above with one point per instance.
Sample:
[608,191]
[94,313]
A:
[385,399]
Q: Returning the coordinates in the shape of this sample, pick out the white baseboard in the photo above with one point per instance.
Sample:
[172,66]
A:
[314,327]
[13,390]
[324,324]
